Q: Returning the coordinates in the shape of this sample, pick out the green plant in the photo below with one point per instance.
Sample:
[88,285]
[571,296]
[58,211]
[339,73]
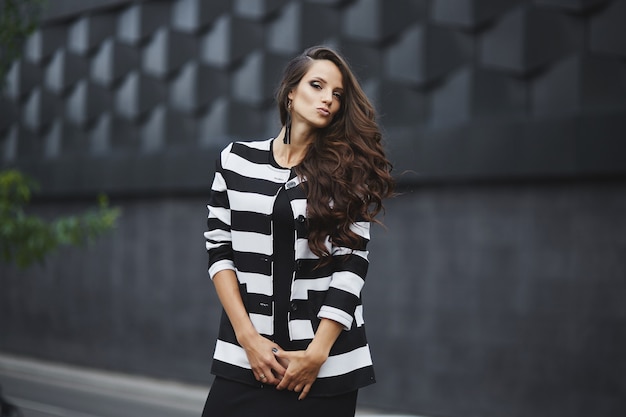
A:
[25,239]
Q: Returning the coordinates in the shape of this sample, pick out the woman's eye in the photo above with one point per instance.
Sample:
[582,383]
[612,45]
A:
[315,84]
[338,95]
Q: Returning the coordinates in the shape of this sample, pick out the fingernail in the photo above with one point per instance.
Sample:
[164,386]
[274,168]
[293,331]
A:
[274,350]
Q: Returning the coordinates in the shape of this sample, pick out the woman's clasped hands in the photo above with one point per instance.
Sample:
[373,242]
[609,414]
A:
[291,370]
[302,369]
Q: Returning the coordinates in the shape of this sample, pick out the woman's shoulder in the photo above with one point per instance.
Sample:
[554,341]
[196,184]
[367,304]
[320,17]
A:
[260,145]
[263,145]
[253,151]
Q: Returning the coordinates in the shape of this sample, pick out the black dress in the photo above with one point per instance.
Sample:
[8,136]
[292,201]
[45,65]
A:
[234,399]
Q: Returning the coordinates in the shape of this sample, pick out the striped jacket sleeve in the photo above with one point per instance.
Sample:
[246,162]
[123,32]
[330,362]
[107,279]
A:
[350,268]
[218,235]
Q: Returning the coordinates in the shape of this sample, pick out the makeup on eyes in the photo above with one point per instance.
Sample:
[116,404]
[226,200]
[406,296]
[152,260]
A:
[317,83]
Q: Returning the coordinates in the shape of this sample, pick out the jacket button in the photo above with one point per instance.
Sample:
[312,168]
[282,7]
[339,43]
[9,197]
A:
[294,306]
[290,184]
[301,219]
[298,265]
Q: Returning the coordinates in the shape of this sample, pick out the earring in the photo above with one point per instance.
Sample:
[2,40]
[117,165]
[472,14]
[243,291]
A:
[287,138]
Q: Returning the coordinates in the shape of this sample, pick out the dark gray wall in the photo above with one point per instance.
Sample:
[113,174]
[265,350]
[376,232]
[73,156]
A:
[496,288]
[481,300]
[501,301]
[138,300]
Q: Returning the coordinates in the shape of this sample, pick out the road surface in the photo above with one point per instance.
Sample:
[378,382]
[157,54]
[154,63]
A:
[44,389]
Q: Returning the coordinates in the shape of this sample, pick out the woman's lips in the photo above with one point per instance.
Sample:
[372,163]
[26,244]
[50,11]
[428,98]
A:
[323,111]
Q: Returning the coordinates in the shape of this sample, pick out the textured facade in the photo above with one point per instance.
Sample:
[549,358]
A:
[162,83]
[501,268]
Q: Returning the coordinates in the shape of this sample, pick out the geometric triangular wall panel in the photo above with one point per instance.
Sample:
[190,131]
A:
[283,34]
[137,95]
[161,126]
[193,16]
[417,57]
[580,83]
[196,86]
[8,112]
[255,81]
[86,102]
[374,21]
[64,71]
[88,32]
[257,9]
[43,43]
[518,41]
[229,40]
[112,62]
[23,76]
[470,14]
[294,29]
[478,94]
[39,110]
[139,21]
[166,52]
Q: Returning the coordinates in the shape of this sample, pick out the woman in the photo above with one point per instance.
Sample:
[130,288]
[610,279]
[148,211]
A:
[288,228]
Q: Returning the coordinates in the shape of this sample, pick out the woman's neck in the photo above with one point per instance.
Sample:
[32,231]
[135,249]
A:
[289,155]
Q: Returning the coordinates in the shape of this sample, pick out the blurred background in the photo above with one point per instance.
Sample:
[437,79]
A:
[497,285]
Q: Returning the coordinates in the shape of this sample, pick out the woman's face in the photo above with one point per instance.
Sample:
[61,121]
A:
[317,97]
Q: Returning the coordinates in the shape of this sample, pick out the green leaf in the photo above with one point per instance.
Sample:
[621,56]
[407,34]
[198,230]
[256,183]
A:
[26,239]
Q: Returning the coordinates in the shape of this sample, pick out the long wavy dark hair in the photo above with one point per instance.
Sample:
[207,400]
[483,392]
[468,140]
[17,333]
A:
[346,170]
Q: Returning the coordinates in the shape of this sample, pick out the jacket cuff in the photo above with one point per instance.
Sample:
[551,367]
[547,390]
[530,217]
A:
[220,266]
[337,315]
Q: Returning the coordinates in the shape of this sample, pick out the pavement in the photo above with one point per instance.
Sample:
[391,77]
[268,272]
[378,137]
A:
[46,389]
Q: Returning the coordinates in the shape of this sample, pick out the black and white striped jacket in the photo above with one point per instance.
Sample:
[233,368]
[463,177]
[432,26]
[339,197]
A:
[239,237]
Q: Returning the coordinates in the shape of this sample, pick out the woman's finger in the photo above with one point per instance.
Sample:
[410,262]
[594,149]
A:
[305,392]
